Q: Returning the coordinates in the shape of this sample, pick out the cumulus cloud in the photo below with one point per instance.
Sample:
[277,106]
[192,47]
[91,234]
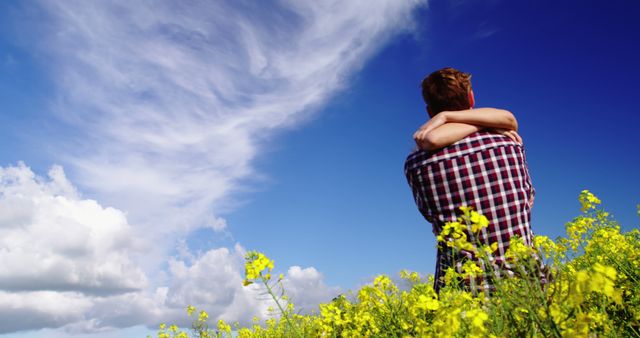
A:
[19,311]
[214,282]
[51,240]
[167,103]
[68,262]
[307,289]
[59,252]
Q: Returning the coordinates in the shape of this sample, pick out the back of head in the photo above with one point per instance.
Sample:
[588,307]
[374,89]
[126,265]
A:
[446,89]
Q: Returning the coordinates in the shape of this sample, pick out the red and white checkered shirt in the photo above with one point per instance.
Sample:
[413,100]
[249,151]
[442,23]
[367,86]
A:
[486,171]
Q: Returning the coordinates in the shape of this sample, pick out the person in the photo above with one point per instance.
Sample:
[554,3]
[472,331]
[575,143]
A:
[470,157]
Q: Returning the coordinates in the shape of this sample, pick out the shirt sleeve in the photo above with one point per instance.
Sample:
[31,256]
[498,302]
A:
[418,195]
[530,189]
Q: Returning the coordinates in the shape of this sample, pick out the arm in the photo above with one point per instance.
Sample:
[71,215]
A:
[451,126]
[444,135]
[483,117]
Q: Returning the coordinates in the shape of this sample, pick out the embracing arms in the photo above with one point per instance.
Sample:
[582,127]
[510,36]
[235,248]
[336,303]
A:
[451,126]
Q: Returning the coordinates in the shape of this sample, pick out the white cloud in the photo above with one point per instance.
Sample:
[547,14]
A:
[175,99]
[69,262]
[59,252]
[168,104]
[306,288]
[213,282]
[27,310]
[51,240]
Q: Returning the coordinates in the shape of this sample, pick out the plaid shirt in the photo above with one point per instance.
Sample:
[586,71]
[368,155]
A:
[486,171]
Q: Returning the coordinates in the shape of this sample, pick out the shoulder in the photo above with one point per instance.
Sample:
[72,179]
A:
[486,137]
[416,159]
[474,143]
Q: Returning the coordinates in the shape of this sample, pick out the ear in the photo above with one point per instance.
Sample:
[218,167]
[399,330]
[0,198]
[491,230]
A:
[472,99]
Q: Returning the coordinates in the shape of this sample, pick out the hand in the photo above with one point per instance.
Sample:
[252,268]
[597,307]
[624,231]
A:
[419,136]
[512,134]
[432,124]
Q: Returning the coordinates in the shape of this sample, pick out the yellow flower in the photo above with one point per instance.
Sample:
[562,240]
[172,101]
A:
[593,291]
[600,279]
[203,316]
[546,245]
[223,327]
[471,269]
[588,201]
[478,317]
[478,222]
[466,210]
[453,234]
[427,303]
[517,249]
[606,271]
[190,310]
[255,264]
[519,313]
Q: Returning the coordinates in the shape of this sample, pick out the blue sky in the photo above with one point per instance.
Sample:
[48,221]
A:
[205,131]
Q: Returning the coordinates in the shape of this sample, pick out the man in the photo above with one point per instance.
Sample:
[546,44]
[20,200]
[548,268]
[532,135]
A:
[470,157]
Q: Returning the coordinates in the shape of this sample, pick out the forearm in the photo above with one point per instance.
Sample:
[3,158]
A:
[445,135]
[484,117]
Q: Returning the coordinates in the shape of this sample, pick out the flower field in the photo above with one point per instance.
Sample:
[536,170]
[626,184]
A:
[591,289]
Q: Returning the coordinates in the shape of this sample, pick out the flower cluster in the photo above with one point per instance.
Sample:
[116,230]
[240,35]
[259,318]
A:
[456,234]
[592,288]
[257,264]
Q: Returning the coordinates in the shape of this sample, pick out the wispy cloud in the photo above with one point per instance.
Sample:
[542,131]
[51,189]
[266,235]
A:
[169,103]
[485,30]
[175,98]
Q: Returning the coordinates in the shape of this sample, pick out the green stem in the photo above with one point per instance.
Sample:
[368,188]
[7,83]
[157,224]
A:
[284,313]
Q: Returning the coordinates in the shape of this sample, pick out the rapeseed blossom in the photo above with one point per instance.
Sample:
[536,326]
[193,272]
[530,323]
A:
[256,265]
[593,289]
[588,201]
